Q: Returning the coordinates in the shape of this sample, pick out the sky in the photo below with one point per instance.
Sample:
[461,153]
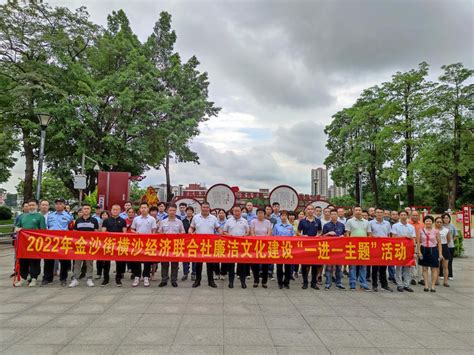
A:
[280,69]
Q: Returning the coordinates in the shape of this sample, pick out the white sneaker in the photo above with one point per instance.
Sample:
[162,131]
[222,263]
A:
[136,282]
[20,283]
[90,283]
[146,281]
[451,278]
[32,283]
[74,283]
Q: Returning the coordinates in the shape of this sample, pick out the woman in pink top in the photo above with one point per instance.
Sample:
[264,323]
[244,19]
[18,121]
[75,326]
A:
[428,245]
[260,227]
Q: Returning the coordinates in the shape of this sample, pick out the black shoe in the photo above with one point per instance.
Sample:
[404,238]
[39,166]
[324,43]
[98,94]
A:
[426,289]
[400,289]
[45,283]
[243,284]
[231,284]
[264,285]
[421,282]
[375,289]
[280,286]
[315,286]
[340,287]
[408,289]
[255,284]
[196,284]
[212,284]
[174,284]
[386,288]
[118,282]
[63,282]
[287,287]
[184,278]
[433,290]
[413,282]
[162,284]
[104,283]
[305,286]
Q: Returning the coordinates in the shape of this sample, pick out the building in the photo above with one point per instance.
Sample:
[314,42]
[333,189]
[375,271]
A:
[162,194]
[196,191]
[319,182]
[336,191]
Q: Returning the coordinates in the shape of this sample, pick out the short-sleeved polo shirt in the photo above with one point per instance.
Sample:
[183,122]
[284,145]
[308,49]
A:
[380,229]
[86,225]
[237,227]
[283,230]
[204,225]
[115,225]
[358,227]
[403,230]
[337,228]
[310,228]
[144,224]
[168,226]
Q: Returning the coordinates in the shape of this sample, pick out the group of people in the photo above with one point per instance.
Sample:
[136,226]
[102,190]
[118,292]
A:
[434,244]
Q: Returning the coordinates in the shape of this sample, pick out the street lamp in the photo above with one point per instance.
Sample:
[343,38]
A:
[44,120]
[360,170]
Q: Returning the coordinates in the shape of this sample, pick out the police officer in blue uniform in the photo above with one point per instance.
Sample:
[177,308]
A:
[58,220]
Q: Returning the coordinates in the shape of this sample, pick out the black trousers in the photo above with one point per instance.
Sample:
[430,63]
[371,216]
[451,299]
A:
[256,273]
[450,263]
[287,274]
[314,273]
[137,269]
[65,266]
[210,271]
[381,272]
[99,267]
[31,267]
[241,271]
[120,269]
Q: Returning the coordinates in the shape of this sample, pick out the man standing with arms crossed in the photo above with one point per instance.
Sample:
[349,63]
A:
[145,224]
[310,227]
[204,223]
[170,225]
[358,227]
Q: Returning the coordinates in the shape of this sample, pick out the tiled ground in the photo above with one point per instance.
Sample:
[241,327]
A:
[111,320]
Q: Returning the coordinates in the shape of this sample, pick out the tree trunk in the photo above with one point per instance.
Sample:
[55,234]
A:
[29,167]
[373,185]
[357,187]
[408,158]
[169,196]
[454,185]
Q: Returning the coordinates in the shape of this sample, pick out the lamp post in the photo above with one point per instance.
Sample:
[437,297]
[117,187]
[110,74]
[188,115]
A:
[83,171]
[360,170]
[44,120]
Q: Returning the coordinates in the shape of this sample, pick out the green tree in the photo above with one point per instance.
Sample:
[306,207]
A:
[184,91]
[51,188]
[36,44]
[411,101]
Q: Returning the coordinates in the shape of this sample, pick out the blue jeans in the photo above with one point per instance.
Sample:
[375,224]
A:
[391,272]
[362,276]
[186,268]
[329,269]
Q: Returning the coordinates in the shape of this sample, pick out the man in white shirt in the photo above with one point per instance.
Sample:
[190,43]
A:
[237,226]
[146,224]
[170,225]
[205,223]
[403,273]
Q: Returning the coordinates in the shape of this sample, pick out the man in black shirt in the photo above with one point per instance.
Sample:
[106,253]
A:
[114,224]
[186,224]
[86,223]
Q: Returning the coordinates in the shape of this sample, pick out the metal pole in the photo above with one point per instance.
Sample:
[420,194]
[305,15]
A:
[40,163]
[83,163]
[360,189]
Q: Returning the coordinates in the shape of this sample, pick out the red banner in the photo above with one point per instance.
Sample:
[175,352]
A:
[75,245]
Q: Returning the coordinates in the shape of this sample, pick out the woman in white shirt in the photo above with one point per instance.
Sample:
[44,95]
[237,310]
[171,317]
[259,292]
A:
[445,236]
[260,227]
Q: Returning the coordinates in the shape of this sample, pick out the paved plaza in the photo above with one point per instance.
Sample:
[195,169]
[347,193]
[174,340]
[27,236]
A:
[111,320]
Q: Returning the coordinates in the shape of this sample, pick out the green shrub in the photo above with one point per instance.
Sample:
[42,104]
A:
[5,213]
[458,245]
